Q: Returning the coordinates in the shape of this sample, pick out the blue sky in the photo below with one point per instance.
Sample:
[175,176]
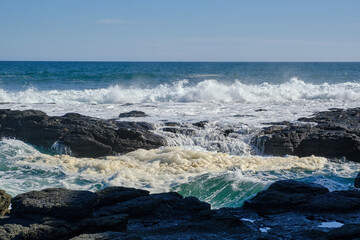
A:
[186,30]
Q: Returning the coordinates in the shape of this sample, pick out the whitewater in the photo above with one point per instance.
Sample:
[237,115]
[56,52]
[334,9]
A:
[217,163]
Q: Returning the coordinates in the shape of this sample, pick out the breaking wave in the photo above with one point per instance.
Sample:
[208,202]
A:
[183,91]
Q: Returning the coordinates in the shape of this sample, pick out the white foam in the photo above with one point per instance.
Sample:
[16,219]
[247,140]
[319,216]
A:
[182,91]
[159,169]
[332,224]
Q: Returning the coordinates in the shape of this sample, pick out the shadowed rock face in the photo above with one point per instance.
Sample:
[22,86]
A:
[286,210]
[85,136]
[290,195]
[114,213]
[132,114]
[337,134]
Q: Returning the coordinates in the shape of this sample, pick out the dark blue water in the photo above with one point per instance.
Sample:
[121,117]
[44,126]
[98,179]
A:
[17,76]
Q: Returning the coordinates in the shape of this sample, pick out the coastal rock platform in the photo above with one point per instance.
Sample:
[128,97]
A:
[334,134]
[286,210]
[78,135]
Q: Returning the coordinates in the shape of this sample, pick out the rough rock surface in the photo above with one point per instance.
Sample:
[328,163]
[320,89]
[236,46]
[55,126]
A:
[286,210]
[289,195]
[132,114]
[114,213]
[335,134]
[5,200]
[78,135]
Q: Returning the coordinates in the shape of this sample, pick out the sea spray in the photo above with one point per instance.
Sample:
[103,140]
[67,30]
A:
[182,91]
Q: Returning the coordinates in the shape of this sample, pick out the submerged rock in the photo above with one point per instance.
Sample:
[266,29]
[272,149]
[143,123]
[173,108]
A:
[336,134]
[78,135]
[132,114]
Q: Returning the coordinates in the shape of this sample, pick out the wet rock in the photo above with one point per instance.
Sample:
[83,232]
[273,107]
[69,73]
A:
[336,134]
[110,235]
[55,202]
[286,210]
[5,200]
[112,195]
[201,124]
[348,231]
[357,181]
[172,124]
[284,195]
[243,115]
[80,135]
[132,114]
[183,131]
[290,195]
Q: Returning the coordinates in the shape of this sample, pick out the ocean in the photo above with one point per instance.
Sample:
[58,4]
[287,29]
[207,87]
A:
[234,98]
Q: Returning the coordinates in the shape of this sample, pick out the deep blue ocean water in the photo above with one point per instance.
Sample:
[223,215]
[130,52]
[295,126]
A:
[15,76]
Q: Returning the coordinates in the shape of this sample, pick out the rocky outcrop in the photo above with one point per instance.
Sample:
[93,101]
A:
[132,114]
[290,195]
[5,200]
[78,135]
[286,210]
[115,213]
[335,134]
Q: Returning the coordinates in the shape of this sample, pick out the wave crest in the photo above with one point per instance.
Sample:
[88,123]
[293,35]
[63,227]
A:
[182,91]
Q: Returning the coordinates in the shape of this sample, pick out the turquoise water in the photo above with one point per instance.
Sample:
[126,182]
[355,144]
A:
[227,95]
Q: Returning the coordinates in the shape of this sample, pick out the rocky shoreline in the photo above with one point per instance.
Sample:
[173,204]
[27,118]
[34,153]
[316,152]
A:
[78,135]
[286,210]
[333,134]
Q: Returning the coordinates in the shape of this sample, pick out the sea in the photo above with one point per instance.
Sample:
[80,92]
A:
[218,163]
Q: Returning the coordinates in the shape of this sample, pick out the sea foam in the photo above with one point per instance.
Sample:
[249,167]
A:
[159,169]
[183,91]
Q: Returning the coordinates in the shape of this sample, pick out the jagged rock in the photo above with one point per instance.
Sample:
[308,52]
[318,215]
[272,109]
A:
[78,135]
[112,195]
[286,210]
[184,131]
[132,114]
[55,202]
[110,235]
[337,134]
[172,124]
[348,231]
[201,124]
[357,181]
[5,200]
[290,195]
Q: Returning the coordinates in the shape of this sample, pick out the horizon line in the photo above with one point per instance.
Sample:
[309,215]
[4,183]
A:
[179,61]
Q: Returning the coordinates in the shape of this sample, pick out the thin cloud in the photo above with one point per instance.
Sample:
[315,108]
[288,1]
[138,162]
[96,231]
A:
[112,21]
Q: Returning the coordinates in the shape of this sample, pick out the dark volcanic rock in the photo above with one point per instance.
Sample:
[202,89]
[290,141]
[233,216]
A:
[201,124]
[132,114]
[357,181]
[290,195]
[286,210]
[112,195]
[115,213]
[348,231]
[55,202]
[337,134]
[5,200]
[184,131]
[84,136]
